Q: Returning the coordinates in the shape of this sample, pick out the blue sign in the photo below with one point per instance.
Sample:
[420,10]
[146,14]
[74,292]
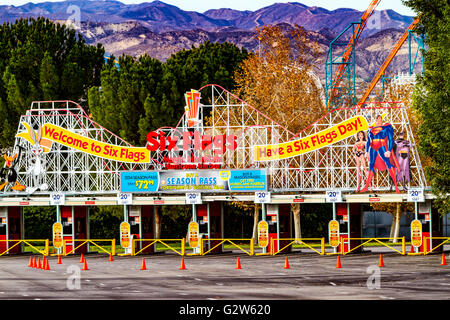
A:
[193,181]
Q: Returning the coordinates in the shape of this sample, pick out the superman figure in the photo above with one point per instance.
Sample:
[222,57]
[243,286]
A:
[380,142]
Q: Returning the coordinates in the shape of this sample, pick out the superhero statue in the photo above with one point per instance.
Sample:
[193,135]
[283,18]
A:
[402,154]
[380,142]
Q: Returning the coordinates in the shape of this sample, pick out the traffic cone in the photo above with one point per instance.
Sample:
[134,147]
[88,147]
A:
[338,263]
[381,263]
[443,261]
[85,265]
[59,259]
[111,257]
[46,266]
[238,264]
[143,266]
[183,266]
[81,259]
[38,265]
[30,264]
[34,263]
[286,263]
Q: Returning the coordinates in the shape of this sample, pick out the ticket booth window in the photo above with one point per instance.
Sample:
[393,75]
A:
[67,226]
[203,226]
[147,225]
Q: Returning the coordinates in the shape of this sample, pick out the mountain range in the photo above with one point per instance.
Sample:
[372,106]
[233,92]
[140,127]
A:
[158,16]
[160,29]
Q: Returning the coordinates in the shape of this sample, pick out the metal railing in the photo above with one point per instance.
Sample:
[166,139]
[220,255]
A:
[425,243]
[250,252]
[376,240]
[90,241]
[301,241]
[181,252]
[28,243]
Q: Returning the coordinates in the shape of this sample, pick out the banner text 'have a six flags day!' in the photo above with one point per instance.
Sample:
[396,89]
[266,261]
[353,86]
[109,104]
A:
[310,143]
[94,147]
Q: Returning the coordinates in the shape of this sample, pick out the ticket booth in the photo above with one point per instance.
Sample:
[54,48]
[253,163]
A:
[279,221]
[74,220]
[210,222]
[350,225]
[11,228]
[431,227]
[140,219]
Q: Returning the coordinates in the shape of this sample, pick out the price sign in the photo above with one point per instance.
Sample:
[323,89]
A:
[193,198]
[124,198]
[57,235]
[125,236]
[263,234]
[416,195]
[333,233]
[193,235]
[57,199]
[262,197]
[416,233]
[333,196]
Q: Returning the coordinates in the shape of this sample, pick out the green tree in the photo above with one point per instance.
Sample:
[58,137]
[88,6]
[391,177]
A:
[42,60]
[432,95]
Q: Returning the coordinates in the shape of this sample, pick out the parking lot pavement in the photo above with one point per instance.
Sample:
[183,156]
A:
[310,276]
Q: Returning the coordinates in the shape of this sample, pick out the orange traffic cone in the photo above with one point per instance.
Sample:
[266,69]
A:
[59,259]
[183,266]
[238,264]
[381,263]
[443,261]
[111,257]
[39,265]
[286,263]
[338,263]
[46,265]
[81,259]
[143,266]
[30,264]
[85,265]
[34,263]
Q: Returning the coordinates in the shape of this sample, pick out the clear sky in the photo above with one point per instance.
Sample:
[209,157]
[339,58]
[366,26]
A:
[203,5]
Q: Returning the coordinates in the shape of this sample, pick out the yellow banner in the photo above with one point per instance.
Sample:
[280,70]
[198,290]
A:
[52,133]
[310,143]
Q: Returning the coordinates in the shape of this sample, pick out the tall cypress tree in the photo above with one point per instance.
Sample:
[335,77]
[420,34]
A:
[432,95]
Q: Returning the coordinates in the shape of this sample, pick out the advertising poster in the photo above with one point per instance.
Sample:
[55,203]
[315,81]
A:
[193,181]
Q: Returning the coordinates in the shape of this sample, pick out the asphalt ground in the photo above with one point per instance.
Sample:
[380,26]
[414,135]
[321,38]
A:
[214,277]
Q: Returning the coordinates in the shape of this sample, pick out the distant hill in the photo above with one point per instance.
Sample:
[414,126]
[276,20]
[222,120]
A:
[160,29]
[160,17]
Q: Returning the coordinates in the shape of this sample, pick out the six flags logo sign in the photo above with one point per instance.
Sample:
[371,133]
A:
[191,140]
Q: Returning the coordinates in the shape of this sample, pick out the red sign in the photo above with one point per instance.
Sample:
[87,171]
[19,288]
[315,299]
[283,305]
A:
[374,199]
[190,140]
[298,200]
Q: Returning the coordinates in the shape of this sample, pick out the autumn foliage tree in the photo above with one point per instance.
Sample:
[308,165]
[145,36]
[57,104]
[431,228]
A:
[279,80]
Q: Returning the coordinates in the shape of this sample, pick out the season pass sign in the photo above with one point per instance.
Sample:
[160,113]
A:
[196,180]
